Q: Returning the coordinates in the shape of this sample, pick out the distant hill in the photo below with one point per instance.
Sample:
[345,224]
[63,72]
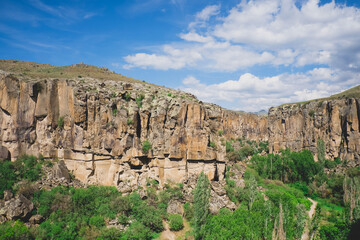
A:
[38,70]
[353,92]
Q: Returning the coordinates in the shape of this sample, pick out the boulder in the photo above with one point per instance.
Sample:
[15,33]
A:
[36,219]
[175,207]
[60,171]
[18,208]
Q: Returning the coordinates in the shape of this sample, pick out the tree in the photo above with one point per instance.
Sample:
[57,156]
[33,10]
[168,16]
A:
[278,232]
[321,151]
[201,204]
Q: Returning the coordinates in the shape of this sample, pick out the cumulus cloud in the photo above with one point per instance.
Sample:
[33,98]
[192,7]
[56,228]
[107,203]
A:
[203,16]
[267,32]
[252,93]
[278,34]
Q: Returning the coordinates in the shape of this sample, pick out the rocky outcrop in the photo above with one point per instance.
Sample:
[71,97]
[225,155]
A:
[98,128]
[300,126]
[17,208]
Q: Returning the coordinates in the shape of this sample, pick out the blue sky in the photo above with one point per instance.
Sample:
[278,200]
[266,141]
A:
[242,55]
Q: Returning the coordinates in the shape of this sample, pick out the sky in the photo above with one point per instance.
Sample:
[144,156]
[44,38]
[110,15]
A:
[244,55]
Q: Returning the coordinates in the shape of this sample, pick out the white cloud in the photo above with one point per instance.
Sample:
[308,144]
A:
[272,32]
[194,37]
[283,34]
[251,93]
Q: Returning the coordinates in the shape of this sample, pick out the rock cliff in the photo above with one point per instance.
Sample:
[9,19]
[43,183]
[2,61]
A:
[335,121]
[100,127]
[114,130]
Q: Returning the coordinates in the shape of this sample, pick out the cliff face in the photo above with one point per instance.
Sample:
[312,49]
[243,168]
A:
[336,122]
[99,129]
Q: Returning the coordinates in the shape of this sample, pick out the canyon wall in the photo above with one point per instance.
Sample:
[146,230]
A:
[99,129]
[299,126]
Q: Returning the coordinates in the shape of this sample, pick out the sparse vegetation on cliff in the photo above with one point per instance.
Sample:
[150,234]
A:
[146,146]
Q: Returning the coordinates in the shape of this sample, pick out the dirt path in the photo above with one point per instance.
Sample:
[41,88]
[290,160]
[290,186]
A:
[167,234]
[311,213]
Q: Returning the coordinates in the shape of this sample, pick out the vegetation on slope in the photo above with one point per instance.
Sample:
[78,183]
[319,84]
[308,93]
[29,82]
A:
[272,203]
[38,70]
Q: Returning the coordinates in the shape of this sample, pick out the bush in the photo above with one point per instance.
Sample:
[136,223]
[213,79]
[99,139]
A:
[188,211]
[176,222]
[130,121]
[139,100]
[137,231]
[110,234]
[97,221]
[127,97]
[212,144]
[7,176]
[229,147]
[13,231]
[311,113]
[146,146]
[220,132]
[60,122]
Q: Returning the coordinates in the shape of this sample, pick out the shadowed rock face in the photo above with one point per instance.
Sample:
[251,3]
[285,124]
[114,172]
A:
[98,127]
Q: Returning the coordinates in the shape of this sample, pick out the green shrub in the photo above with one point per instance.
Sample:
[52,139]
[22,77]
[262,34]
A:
[176,222]
[60,122]
[7,176]
[111,233]
[229,147]
[146,146]
[311,113]
[137,231]
[130,121]
[212,144]
[169,94]
[114,112]
[188,211]
[330,164]
[127,97]
[97,221]
[14,231]
[220,132]
[139,100]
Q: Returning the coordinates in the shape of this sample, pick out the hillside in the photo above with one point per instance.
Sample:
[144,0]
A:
[32,70]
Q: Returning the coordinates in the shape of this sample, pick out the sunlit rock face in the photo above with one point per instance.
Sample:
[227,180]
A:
[336,122]
[99,128]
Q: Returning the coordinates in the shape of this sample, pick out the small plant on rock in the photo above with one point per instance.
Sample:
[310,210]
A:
[61,122]
[146,146]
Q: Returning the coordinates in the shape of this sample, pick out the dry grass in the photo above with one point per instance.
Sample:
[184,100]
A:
[30,70]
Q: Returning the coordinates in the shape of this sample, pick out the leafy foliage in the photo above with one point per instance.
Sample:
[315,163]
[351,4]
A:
[146,146]
[25,167]
[201,204]
[176,222]
[288,167]
[60,122]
